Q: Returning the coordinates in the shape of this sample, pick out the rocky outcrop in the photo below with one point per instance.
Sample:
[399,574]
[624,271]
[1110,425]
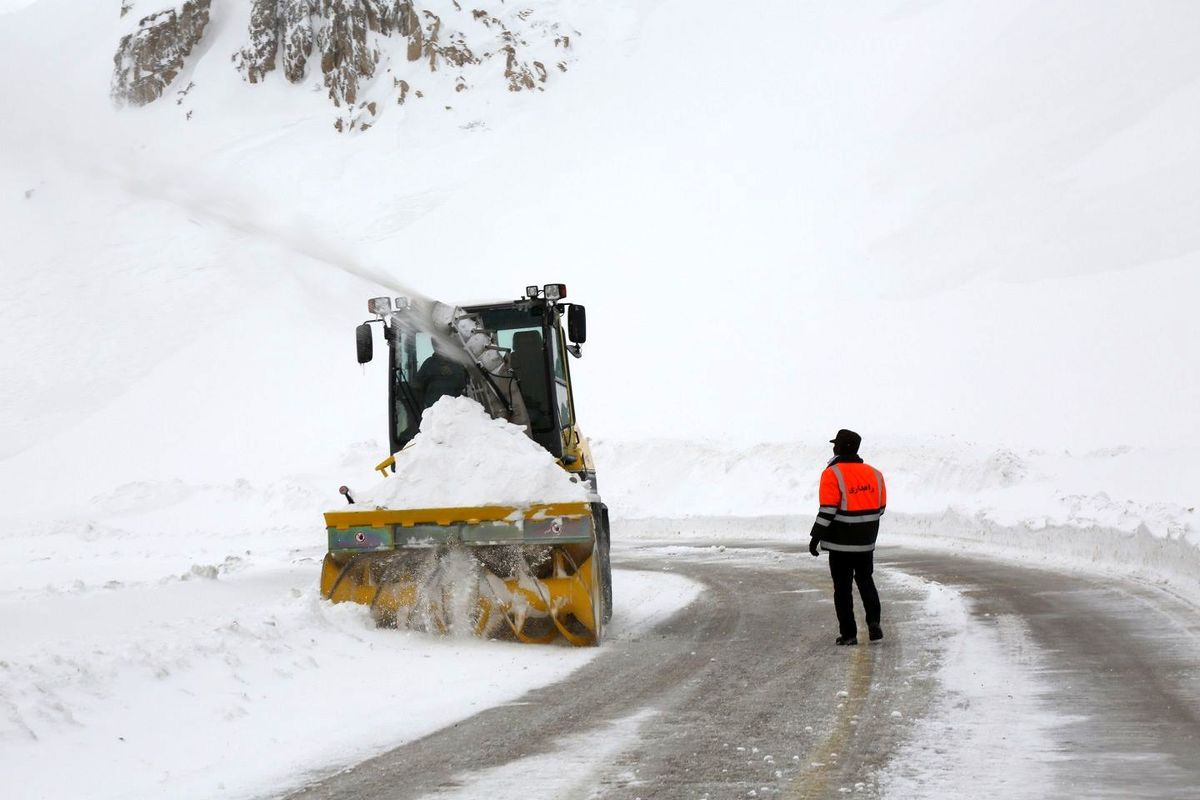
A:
[520,75]
[148,59]
[338,29]
[277,25]
[296,34]
[347,55]
[257,58]
[395,51]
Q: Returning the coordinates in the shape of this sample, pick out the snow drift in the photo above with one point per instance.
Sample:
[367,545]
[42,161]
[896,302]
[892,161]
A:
[1128,511]
[1124,488]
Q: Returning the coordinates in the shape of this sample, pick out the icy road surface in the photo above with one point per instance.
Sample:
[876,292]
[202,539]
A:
[993,681]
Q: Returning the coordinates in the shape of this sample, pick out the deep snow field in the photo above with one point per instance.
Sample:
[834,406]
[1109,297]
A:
[965,230]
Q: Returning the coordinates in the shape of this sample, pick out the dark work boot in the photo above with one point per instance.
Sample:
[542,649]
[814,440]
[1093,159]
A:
[841,640]
[875,632]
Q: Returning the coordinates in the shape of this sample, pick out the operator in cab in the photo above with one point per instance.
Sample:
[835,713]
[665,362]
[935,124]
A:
[439,376]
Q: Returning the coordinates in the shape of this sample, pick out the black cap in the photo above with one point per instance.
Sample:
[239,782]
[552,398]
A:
[848,440]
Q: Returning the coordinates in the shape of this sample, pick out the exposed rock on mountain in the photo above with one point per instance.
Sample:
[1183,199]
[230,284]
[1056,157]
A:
[347,55]
[258,57]
[148,59]
[346,37]
[428,49]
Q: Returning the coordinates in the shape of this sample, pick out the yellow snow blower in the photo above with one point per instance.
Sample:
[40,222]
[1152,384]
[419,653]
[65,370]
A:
[533,573]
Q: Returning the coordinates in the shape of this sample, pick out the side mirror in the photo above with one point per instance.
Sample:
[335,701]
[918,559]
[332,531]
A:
[362,336]
[577,324]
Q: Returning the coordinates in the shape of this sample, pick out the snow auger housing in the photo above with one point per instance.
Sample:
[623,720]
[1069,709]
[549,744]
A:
[533,574]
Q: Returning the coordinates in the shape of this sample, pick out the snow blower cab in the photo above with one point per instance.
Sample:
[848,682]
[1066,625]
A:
[527,567]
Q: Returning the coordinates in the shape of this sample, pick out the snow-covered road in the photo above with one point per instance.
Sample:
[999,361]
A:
[195,666]
[994,681]
[1055,684]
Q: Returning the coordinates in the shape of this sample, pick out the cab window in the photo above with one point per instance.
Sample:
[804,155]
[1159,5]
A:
[561,392]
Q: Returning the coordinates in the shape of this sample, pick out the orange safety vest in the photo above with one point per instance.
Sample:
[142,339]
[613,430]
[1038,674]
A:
[853,497]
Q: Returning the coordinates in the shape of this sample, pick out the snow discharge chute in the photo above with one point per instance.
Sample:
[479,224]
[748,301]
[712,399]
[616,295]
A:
[487,520]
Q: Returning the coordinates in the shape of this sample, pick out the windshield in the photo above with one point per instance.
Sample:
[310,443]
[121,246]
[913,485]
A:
[520,331]
[422,375]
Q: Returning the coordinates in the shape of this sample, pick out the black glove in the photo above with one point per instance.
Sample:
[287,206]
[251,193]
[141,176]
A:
[812,546]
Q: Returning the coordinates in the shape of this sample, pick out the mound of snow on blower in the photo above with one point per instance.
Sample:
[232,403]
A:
[464,458]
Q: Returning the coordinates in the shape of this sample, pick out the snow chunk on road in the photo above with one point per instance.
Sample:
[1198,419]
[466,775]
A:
[462,457]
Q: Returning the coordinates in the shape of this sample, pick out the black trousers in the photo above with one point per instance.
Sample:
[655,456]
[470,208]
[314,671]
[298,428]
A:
[848,569]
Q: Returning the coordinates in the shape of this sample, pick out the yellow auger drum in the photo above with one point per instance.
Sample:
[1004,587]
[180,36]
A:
[535,573]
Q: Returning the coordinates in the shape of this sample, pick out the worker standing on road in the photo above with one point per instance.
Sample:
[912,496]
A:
[853,498]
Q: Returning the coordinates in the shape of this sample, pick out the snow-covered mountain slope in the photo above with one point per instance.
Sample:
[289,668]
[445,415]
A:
[928,217]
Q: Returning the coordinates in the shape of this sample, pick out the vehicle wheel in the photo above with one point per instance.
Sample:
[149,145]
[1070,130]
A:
[606,565]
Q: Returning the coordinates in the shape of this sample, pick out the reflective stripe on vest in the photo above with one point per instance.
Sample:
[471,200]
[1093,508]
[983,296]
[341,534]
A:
[856,518]
[847,548]
[837,473]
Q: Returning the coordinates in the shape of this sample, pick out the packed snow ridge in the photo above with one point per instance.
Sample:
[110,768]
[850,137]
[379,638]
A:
[463,458]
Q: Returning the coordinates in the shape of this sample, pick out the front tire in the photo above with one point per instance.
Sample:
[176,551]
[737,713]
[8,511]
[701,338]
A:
[605,565]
